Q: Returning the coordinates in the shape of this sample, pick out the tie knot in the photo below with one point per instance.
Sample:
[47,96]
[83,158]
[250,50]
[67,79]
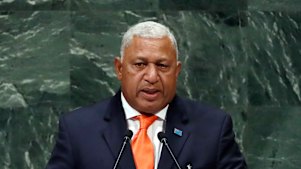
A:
[146,121]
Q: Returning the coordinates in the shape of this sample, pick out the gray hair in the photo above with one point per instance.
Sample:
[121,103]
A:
[148,29]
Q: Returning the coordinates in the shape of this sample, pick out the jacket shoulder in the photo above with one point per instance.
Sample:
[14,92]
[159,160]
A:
[84,115]
[197,109]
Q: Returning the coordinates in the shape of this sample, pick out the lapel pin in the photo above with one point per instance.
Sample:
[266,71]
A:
[189,166]
[178,132]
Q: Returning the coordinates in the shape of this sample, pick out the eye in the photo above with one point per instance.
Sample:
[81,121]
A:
[162,66]
[140,65]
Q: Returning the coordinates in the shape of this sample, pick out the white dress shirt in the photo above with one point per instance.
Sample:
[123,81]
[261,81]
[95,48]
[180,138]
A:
[153,130]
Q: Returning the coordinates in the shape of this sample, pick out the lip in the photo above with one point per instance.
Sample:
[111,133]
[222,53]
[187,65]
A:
[150,94]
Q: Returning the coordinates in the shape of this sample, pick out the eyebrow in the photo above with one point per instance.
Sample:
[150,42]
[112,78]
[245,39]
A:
[145,59]
[140,59]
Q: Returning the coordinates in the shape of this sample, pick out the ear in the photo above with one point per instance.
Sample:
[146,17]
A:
[179,67]
[118,67]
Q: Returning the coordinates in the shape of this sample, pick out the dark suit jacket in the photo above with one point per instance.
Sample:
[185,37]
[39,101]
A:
[90,138]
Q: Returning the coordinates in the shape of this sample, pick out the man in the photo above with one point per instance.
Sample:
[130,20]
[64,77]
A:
[200,137]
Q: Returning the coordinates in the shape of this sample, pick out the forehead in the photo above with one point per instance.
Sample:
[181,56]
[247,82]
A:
[152,45]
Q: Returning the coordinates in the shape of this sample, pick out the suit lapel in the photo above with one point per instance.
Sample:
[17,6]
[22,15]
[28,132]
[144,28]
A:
[176,119]
[115,131]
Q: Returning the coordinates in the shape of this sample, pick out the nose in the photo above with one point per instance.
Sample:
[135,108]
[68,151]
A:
[151,74]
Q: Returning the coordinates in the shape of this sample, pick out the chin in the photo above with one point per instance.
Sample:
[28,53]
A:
[148,113]
[151,109]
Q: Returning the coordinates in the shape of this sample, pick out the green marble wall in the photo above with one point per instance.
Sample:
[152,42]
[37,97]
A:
[244,57]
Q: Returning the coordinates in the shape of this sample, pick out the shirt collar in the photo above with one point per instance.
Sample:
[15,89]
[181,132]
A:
[130,112]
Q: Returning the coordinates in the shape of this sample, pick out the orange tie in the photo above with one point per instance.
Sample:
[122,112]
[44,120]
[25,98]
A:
[143,149]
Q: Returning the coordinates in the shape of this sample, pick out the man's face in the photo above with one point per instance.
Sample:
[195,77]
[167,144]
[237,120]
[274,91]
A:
[148,73]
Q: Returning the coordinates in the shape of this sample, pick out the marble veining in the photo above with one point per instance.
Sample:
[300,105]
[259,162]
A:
[56,55]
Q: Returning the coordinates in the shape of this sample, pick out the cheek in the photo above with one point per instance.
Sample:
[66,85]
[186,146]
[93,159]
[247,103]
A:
[169,82]
[169,78]
[166,81]
[133,80]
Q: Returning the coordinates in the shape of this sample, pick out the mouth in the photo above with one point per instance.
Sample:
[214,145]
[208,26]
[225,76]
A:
[150,94]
